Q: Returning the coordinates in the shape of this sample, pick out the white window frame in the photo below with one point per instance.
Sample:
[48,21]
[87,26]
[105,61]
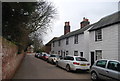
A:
[67,41]
[75,53]
[81,54]
[98,54]
[98,35]
[76,39]
[59,43]
[67,52]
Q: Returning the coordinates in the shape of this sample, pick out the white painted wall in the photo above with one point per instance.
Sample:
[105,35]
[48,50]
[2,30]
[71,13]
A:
[119,42]
[109,43]
[82,45]
[71,47]
[86,43]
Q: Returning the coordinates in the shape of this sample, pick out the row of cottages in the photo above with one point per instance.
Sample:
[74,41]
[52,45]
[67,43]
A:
[100,40]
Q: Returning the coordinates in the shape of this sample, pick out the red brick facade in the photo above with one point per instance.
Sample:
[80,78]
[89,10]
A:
[10,59]
[48,49]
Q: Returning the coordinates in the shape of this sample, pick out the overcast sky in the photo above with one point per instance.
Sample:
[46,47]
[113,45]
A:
[74,11]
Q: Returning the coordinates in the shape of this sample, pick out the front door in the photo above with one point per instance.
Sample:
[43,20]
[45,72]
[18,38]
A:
[92,58]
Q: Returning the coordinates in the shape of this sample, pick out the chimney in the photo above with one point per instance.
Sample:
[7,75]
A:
[67,28]
[85,22]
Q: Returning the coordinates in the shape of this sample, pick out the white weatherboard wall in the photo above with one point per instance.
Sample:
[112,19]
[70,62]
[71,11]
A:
[71,47]
[82,45]
[119,42]
[109,43]
[86,43]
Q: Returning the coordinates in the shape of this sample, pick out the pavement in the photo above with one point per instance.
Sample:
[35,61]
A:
[35,68]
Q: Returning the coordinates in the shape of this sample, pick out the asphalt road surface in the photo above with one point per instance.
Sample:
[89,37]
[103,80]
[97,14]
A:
[34,68]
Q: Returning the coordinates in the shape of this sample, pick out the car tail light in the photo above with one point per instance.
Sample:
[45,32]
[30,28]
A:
[88,64]
[76,63]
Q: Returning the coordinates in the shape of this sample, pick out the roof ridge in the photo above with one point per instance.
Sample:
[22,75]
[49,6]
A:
[106,21]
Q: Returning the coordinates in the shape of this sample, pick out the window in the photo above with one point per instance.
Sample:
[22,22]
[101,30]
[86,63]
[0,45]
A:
[76,39]
[98,54]
[80,59]
[68,58]
[101,63]
[44,54]
[59,52]
[67,41]
[53,52]
[81,54]
[75,53]
[67,52]
[64,54]
[53,44]
[114,65]
[54,56]
[98,35]
[59,43]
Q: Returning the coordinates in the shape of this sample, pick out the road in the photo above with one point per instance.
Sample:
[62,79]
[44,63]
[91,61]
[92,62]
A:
[34,68]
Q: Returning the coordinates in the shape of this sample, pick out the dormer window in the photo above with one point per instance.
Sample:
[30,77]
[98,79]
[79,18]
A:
[98,35]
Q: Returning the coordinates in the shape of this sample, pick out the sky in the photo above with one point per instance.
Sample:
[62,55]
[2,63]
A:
[74,11]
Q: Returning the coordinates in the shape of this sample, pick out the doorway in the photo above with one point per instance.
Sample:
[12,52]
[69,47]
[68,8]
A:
[92,58]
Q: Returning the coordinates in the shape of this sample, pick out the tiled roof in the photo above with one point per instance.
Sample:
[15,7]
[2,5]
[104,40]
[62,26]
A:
[107,21]
[76,32]
[51,41]
[104,22]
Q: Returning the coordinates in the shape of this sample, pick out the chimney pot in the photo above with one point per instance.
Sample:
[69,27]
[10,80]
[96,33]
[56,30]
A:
[83,18]
[84,22]
[67,23]
[67,28]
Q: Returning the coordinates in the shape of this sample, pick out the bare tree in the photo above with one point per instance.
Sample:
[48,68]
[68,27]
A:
[23,19]
[42,17]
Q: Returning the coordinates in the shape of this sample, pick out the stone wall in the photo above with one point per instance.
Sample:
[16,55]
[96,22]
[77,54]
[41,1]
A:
[10,59]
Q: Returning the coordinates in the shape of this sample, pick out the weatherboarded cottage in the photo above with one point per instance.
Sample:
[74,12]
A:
[100,40]
[104,38]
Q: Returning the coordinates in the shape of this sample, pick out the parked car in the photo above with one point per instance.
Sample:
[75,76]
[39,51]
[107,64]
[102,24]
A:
[42,55]
[105,69]
[53,58]
[45,56]
[74,63]
[37,55]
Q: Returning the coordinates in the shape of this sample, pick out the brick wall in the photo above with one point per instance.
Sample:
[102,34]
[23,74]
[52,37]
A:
[10,59]
[48,49]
